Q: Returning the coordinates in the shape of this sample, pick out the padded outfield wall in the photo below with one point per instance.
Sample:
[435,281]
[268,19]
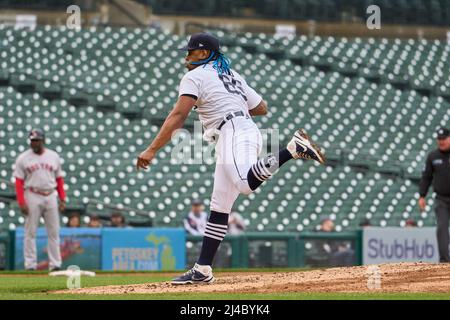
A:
[144,249]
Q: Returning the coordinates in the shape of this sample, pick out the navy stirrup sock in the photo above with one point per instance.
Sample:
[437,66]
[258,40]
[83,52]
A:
[216,229]
[264,168]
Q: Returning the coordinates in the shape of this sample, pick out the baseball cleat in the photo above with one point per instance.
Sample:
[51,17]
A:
[195,276]
[55,269]
[301,147]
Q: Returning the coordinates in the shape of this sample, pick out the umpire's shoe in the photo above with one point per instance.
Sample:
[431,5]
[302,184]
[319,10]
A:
[301,147]
[198,274]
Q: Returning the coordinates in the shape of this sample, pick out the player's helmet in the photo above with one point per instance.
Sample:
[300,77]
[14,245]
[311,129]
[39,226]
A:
[207,41]
[36,134]
[203,41]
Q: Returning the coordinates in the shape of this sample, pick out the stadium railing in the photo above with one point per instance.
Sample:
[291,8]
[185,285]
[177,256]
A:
[7,250]
[284,249]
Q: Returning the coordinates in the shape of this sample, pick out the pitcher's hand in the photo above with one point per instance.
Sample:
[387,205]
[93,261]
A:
[144,159]
[422,203]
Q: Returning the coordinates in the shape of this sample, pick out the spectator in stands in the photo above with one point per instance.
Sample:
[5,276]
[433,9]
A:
[195,221]
[74,220]
[117,220]
[94,222]
[236,224]
[365,223]
[330,252]
[410,223]
[326,225]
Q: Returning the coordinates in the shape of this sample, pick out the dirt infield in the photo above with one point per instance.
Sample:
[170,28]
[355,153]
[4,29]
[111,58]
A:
[399,277]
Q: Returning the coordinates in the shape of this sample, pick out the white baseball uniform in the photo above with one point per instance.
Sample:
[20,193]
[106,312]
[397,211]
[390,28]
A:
[39,173]
[239,141]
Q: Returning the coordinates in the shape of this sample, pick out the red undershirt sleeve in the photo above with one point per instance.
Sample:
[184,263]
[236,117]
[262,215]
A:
[20,191]
[60,188]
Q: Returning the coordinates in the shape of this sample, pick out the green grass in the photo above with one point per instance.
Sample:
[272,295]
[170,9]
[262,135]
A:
[38,286]
[45,272]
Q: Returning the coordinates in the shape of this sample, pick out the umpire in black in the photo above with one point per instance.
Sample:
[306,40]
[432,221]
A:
[437,171]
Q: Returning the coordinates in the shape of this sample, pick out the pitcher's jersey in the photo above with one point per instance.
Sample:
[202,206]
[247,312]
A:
[38,171]
[217,95]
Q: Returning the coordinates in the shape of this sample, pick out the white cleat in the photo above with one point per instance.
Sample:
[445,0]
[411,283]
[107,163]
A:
[301,147]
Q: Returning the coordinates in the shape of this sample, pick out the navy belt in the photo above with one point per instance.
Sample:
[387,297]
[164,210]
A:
[229,117]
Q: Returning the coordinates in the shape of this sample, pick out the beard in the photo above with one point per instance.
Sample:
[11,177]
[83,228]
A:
[189,66]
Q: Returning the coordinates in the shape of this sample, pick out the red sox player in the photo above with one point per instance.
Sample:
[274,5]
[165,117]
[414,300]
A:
[39,180]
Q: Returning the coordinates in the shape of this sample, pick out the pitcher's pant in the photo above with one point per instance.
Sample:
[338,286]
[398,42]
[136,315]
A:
[442,210]
[47,207]
[237,149]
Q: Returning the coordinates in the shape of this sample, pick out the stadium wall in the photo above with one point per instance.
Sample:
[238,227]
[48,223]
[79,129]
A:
[170,249]
[123,15]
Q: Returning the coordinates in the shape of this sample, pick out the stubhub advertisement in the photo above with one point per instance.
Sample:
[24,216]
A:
[385,245]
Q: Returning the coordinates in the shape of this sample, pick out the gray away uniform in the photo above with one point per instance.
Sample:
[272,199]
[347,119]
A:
[40,172]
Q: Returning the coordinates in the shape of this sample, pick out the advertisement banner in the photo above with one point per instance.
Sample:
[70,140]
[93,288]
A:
[386,245]
[143,249]
[79,246]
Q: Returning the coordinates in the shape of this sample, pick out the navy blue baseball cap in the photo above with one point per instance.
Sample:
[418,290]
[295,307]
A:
[197,202]
[203,41]
[443,133]
[36,134]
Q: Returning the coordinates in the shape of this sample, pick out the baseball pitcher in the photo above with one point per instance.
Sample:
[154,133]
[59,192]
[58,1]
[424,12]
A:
[226,105]
[38,175]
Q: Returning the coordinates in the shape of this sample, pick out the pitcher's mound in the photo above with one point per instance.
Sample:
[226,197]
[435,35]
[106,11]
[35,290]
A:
[398,277]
